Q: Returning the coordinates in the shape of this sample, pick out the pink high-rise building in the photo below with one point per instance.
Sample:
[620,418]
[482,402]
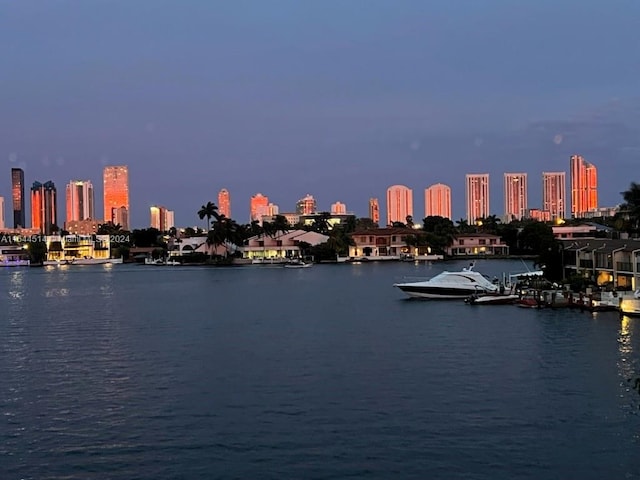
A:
[116,195]
[584,186]
[477,190]
[399,204]
[554,194]
[515,196]
[338,208]
[374,210]
[258,205]
[437,201]
[224,203]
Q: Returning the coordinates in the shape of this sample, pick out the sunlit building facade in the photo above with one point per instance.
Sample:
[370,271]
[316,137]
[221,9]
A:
[116,195]
[399,204]
[17,198]
[80,201]
[437,201]
[584,186]
[43,207]
[515,196]
[224,203]
[477,196]
[306,205]
[338,208]
[257,206]
[554,194]
[120,216]
[161,218]
[374,210]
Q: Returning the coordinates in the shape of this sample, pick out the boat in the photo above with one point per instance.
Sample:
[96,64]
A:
[87,260]
[297,264]
[449,285]
[530,299]
[630,307]
[269,261]
[161,262]
[493,299]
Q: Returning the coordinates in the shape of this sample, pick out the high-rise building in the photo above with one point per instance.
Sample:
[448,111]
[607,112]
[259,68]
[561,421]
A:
[80,201]
[258,201]
[161,218]
[306,205]
[399,204]
[116,195]
[2,224]
[437,201]
[584,186]
[43,207]
[554,194]
[17,198]
[120,216]
[224,203]
[477,189]
[374,210]
[338,208]
[170,219]
[515,196]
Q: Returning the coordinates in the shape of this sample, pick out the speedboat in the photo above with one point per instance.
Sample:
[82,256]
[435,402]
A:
[447,285]
[297,264]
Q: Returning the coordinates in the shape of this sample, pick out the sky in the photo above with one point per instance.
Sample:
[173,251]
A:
[339,99]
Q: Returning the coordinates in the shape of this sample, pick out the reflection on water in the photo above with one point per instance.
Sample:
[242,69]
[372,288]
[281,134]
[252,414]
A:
[627,363]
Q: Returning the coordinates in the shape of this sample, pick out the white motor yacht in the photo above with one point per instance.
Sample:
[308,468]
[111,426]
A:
[451,285]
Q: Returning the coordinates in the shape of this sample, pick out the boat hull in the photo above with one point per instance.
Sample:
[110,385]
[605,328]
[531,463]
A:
[434,292]
[493,299]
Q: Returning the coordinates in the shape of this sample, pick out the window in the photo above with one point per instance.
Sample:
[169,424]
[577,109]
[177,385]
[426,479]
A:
[460,242]
[393,238]
[492,241]
[482,241]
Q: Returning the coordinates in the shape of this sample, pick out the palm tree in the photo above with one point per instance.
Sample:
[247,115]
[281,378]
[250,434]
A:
[321,223]
[280,224]
[631,206]
[463,226]
[209,210]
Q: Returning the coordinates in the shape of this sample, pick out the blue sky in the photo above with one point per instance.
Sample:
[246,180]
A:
[339,99]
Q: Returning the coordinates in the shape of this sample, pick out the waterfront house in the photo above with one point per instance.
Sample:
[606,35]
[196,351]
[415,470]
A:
[282,245]
[185,246]
[605,261]
[473,244]
[68,247]
[384,243]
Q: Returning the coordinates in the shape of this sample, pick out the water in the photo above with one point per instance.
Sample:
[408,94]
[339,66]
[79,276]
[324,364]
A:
[133,372]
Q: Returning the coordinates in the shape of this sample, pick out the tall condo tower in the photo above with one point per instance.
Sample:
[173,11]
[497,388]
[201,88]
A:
[224,203]
[338,208]
[477,189]
[584,186]
[554,194]
[258,207]
[399,204]
[43,207]
[306,205]
[437,201]
[116,195]
[80,200]
[374,210]
[515,196]
[17,198]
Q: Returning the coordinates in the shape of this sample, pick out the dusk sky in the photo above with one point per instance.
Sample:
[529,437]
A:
[339,99]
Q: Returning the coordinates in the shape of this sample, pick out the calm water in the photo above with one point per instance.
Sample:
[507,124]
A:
[134,372]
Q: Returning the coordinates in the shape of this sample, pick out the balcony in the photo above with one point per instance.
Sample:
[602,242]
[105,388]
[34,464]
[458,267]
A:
[586,263]
[624,266]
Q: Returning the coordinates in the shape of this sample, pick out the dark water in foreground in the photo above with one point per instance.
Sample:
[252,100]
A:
[134,372]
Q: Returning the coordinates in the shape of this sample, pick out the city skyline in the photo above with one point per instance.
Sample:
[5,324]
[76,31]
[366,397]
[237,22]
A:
[372,104]
[553,184]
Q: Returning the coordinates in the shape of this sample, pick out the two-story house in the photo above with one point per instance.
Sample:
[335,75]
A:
[474,244]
